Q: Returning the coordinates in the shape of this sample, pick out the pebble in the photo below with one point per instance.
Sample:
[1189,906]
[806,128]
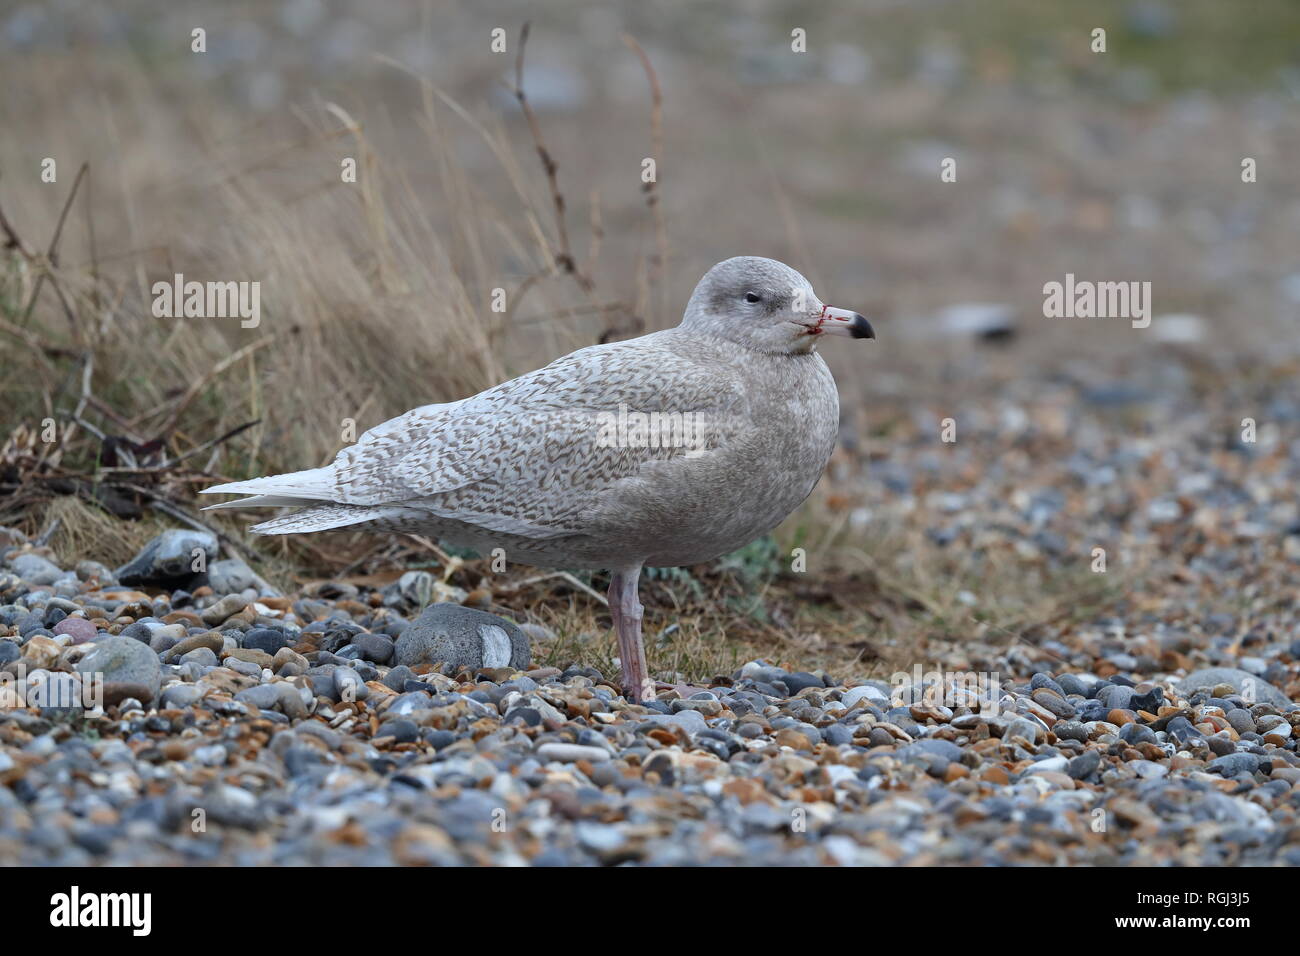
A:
[689,720]
[41,652]
[169,559]
[1084,765]
[1050,765]
[1070,730]
[233,576]
[1029,730]
[864,693]
[78,629]
[123,661]
[572,753]
[264,639]
[463,637]
[209,640]
[227,607]
[1234,764]
[1242,682]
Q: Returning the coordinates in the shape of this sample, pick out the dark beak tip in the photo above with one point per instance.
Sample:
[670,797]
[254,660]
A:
[861,328]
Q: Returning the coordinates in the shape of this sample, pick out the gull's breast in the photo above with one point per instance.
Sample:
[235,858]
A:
[769,455]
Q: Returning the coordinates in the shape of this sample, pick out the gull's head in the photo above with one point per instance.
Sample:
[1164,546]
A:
[765,305]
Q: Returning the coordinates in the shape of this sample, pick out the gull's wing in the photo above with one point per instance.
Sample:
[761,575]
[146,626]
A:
[533,455]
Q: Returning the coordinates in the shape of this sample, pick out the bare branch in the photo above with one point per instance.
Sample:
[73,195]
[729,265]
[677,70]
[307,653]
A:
[52,256]
[659,261]
[564,259]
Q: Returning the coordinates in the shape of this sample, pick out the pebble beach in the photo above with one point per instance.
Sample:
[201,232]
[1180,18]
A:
[243,727]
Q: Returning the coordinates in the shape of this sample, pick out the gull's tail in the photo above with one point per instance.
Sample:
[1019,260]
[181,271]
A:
[312,490]
[323,518]
[314,484]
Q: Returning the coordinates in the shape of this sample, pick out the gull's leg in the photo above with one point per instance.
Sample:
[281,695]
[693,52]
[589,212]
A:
[626,611]
[613,596]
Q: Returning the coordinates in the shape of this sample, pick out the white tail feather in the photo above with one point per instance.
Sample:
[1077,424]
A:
[314,484]
[321,518]
[263,501]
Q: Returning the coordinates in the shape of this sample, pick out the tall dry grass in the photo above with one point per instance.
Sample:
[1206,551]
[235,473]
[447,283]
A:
[376,295]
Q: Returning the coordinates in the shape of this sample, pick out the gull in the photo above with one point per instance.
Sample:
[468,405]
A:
[667,450]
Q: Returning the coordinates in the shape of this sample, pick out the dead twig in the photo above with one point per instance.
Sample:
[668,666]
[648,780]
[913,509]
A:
[38,347]
[94,249]
[366,558]
[52,257]
[87,371]
[212,443]
[171,463]
[193,391]
[450,564]
[564,259]
[12,239]
[564,576]
[658,261]
[48,533]
[597,226]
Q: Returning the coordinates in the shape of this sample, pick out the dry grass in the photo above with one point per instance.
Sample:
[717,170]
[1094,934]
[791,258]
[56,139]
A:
[81,531]
[376,295]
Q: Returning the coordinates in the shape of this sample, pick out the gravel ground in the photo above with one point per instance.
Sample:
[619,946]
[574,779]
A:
[249,728]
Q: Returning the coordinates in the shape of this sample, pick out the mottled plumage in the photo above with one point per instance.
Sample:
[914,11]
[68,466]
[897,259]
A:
[540,467]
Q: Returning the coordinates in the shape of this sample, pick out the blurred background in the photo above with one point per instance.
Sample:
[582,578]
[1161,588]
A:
[1072,434]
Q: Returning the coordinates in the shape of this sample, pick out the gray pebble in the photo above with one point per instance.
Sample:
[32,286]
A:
[123,660]
[463,637]
[169,558]
[1248,685]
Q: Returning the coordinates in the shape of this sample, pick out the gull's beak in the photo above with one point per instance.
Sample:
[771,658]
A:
[841,322]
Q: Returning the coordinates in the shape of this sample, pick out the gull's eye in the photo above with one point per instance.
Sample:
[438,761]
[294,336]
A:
[753,297]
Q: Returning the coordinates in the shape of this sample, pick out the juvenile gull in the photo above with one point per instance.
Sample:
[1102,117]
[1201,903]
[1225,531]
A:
[669,449]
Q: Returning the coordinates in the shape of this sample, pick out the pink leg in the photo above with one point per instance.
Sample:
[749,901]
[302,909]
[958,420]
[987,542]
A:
[626,611]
